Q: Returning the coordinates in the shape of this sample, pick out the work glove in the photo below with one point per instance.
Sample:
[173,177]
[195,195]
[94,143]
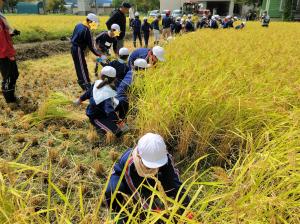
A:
[77,102]
[16,32]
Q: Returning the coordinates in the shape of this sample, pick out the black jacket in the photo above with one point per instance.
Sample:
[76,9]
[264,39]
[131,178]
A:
[117,17]
[104,42]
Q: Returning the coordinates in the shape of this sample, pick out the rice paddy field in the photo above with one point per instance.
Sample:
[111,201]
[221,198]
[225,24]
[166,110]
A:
[227,102]
[47,27]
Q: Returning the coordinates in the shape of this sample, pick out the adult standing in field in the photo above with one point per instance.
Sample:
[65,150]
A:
[131,14]
[145,166]
[81,40]
[8,64]
[166,23]
[156,30]
[119,17]
[152,56]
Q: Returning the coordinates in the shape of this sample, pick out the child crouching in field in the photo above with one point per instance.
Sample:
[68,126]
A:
[101,110]
[145,165]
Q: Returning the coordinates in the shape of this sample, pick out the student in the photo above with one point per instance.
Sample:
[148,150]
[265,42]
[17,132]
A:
[119,17]
[166,23]
[81,39]
[178,26]
[148,161]
[202,23]
[213,24]
[146,28]
[101,109]
[189,26]
[120,65]
[241,26]
[156,30]
[8,64]
[123,87]
[265,19]
[136,27]
[152,56]
[104,41]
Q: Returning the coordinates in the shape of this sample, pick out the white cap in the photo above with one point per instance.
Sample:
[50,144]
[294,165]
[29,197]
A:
[123,51]
[140,63]
[189,16]
[92,17]
[109,71]
[136,14]
[153,150]
[178,19]
[159,52]
[213,17]
[115,27]
[228,17]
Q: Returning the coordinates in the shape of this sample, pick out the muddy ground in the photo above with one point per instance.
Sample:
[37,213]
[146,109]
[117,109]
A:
[38,50]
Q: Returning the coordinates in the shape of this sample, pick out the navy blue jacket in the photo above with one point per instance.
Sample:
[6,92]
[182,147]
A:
[146,27]
[155,24]
[123,87]
[189,26]
[166,22]
[177,27]
[136,25]
[121,68]
[168,175]
[138,53]
[104,41]
[82,38]
[104,109]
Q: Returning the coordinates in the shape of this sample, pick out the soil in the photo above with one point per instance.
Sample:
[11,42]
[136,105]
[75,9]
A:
[37,50]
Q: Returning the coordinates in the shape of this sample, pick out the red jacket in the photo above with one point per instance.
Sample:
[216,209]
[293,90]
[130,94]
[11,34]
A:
[6,45]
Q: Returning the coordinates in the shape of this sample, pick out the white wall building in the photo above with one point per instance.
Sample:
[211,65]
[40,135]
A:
[221,7]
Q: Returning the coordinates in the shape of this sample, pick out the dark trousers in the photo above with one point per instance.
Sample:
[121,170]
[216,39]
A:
[104,125]
[81,67]
[146,39]
[111,188]
[123,109]
[10,74]
[135,36]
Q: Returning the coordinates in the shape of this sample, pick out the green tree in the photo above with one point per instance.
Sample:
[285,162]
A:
[140,5]
[55,6]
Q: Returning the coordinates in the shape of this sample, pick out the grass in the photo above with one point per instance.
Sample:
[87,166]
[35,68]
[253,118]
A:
[229,108]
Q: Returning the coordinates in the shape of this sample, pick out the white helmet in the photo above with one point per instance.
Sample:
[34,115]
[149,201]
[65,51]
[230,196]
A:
[136,14]
[109,71]
[123,51]
[92,17]
[153,151]
[115,27]
[140,63]
[159,52]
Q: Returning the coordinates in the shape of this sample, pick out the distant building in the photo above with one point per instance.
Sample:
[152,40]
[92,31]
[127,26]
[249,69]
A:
[220,7]
[30,8]
[87,6]
[275,8]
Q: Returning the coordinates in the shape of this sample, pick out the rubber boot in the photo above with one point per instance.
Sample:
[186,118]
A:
[134,44]
[141,43]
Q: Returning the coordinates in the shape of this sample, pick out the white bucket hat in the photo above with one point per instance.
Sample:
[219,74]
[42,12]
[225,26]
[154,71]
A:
[115,27]
[153,151]
[109,71]
[159,52]
[141,63]
[92,17]
[123,51]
